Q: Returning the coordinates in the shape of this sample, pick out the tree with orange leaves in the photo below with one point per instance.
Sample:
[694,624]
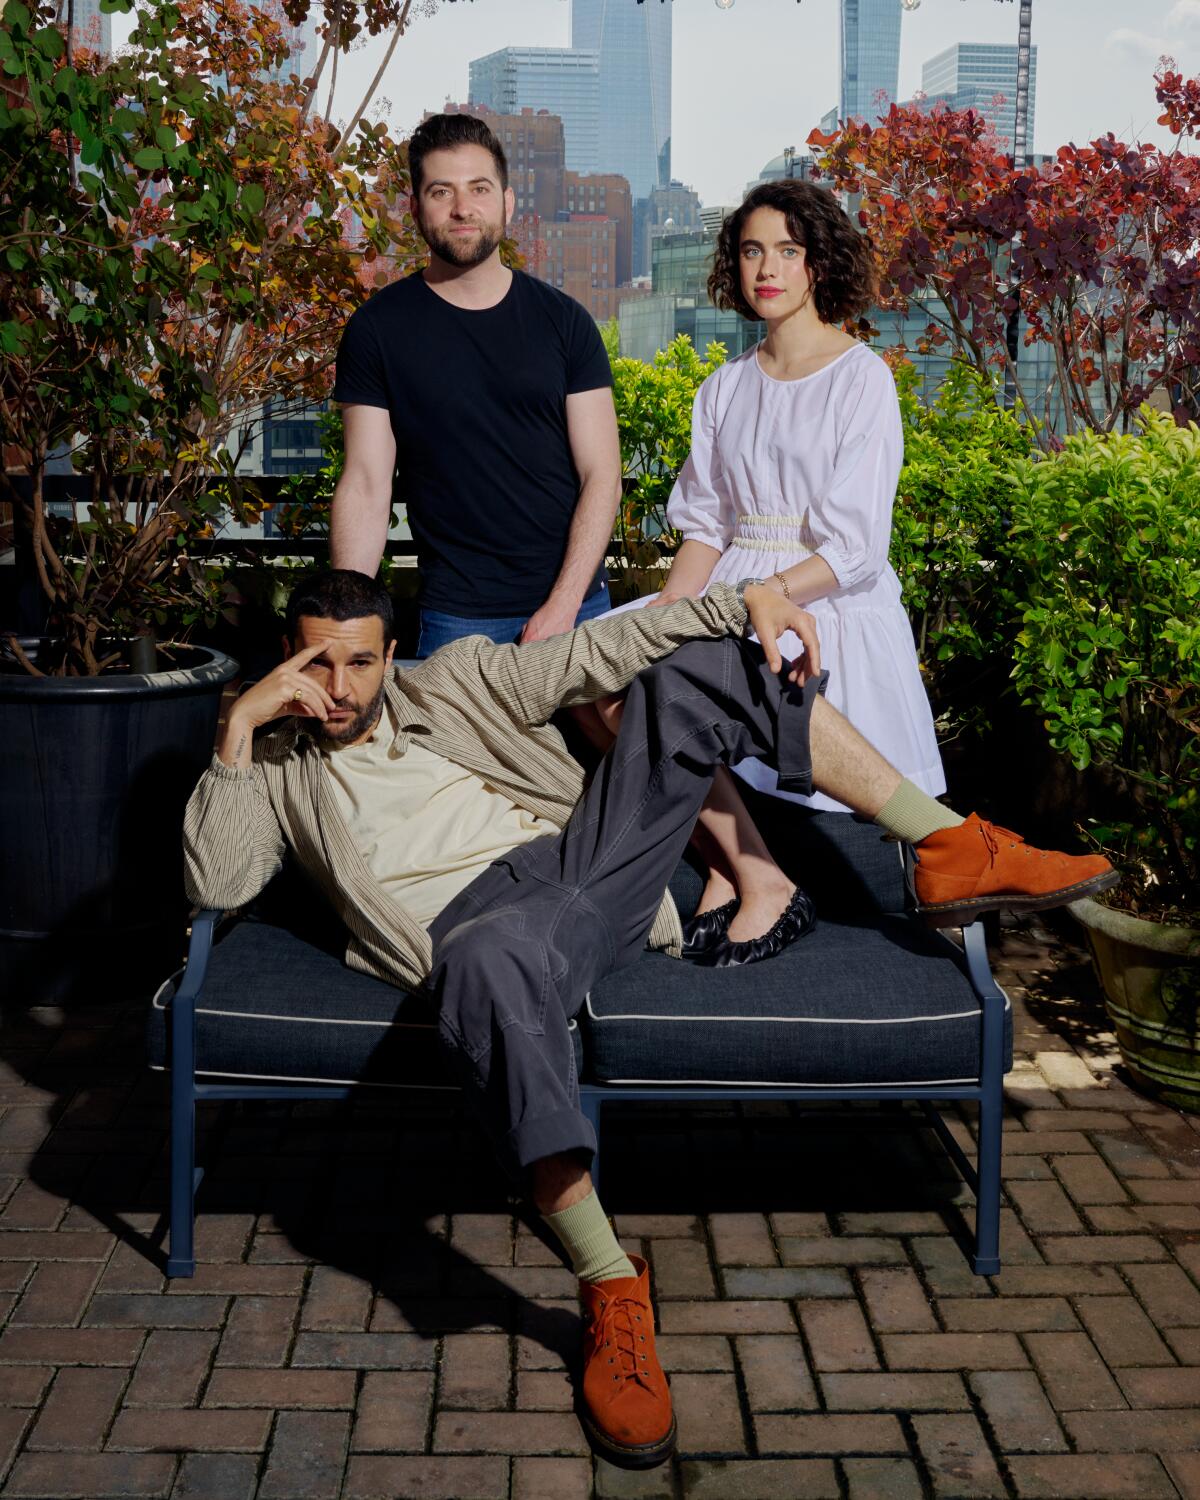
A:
[1096,248]
[172,254]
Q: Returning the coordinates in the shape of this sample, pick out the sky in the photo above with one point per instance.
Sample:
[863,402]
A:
[757,77]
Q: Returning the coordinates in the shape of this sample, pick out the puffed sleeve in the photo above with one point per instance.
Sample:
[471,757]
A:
[854,514]
[698,508]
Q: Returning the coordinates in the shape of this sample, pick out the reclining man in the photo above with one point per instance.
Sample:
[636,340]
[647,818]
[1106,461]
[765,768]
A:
[441,815]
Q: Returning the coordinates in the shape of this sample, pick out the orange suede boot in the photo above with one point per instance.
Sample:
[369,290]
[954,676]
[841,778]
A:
[963,872]
[626,1400]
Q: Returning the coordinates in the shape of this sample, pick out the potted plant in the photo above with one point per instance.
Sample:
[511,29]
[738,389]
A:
[1106,545]
[174,255]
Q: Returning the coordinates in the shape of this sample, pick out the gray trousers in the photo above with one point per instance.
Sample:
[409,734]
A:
[516,952]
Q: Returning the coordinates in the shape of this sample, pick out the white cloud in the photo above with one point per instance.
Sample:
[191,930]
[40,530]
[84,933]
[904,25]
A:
[1137,44]
[1184,18]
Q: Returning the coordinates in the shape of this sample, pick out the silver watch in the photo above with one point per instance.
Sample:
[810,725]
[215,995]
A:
[742,586]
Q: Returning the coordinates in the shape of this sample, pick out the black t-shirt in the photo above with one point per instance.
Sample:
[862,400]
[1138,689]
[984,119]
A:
[478,406]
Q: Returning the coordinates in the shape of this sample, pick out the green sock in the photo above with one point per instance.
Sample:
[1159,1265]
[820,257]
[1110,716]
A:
[587,1237]
[911,815]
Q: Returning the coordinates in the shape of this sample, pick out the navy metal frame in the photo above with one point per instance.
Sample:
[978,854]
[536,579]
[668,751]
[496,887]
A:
[987,1092]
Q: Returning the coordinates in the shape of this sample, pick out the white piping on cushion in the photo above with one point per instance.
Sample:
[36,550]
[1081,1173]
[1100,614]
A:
[354,1083]
[169,980]
[252,1015]
[959,1015]
[749,1083]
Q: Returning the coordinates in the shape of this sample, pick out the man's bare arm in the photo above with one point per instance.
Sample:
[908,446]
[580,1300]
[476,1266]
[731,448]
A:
[596,452]
[362,501]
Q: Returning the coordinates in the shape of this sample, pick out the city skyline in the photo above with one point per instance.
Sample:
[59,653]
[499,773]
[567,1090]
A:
[93,28]
[969,76]
[777,68]
[869,55]
[563,80]
[634,47]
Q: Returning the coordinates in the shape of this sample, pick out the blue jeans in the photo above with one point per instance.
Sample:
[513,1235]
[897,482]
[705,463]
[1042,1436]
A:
[439,630]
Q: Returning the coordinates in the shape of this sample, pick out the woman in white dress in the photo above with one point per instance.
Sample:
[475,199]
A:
[796,452]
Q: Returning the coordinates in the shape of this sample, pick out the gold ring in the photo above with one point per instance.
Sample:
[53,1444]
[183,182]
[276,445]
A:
[298,695]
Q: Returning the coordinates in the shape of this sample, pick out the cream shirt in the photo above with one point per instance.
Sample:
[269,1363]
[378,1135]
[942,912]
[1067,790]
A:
[481,705]
[425,826]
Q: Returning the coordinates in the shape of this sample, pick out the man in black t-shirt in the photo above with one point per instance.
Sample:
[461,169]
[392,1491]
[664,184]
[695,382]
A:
[490,392]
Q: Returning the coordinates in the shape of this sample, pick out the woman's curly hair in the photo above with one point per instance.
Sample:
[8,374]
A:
[837,255]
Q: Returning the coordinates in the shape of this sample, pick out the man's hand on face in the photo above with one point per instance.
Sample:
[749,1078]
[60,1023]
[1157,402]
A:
[771,616]
[286,690]
[552,619]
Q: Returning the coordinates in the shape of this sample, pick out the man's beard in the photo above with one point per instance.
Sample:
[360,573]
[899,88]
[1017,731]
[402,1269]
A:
[460,251]
[363,721]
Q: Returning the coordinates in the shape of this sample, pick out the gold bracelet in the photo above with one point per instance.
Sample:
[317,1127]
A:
[783,583]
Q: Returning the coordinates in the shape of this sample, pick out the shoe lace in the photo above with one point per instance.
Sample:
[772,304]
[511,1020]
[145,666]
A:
[993,834]
[619,1326]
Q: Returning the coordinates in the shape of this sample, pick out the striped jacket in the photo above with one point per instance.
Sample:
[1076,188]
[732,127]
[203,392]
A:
[483,706]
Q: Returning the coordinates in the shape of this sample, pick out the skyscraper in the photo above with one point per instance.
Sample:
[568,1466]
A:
[870,59]
[92,29]
[303,44]
[973,75]
[634,46]
[670,209]
[607,195]
[563,80]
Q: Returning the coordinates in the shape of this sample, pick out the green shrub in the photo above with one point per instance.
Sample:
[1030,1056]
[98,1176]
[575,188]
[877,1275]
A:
[654,418]
[948,540]
[1105,546]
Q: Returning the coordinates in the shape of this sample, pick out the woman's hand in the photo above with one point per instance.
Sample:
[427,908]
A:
[667,596]
[772,616]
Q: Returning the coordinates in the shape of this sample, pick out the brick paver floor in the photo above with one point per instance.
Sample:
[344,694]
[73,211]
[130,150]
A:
[370,1318]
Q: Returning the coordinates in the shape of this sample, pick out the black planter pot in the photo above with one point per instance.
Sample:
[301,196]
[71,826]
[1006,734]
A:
[94,777]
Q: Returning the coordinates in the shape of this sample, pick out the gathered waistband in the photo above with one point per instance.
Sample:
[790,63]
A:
[767,533]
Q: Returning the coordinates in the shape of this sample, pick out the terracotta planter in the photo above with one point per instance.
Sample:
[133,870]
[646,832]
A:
[1150,975]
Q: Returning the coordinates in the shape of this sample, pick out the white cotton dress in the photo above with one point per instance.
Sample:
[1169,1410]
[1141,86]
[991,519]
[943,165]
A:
[781,470]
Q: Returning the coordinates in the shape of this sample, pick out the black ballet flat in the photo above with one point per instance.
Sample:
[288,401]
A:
[703,932]
[798,919]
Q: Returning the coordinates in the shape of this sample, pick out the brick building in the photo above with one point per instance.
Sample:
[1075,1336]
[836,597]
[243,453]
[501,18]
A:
[578,256]
[608,195]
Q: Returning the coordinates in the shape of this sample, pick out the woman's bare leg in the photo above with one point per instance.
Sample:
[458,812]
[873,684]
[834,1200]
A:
[763,887]
[740,867]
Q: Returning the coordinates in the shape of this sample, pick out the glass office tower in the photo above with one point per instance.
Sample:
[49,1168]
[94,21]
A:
[971,75]
[564,80]
[303,44]
[92,29]
[634,43]
[870,32]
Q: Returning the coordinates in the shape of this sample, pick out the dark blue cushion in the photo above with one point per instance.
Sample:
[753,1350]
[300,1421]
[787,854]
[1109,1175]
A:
[278,1006]
[881,1003]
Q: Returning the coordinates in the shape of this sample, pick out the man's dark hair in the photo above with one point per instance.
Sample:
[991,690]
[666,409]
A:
[339,594]
[444,133]
[838,257]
